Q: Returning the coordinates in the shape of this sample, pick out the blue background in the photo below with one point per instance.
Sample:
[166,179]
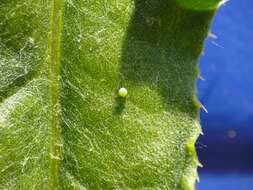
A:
[226,148]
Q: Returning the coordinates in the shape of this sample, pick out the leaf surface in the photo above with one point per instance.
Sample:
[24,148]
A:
[62,123]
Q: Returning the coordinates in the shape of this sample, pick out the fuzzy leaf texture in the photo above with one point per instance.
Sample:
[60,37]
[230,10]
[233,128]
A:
[62,122]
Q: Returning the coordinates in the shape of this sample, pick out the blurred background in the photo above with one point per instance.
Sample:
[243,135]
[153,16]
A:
[226,148]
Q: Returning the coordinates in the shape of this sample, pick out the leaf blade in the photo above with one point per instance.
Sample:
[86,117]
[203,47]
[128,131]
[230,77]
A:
[143,141]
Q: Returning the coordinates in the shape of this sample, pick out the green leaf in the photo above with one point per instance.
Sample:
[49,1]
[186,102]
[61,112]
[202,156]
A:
[63,124]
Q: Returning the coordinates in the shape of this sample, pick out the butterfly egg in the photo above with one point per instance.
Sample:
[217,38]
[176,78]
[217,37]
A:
[122,92]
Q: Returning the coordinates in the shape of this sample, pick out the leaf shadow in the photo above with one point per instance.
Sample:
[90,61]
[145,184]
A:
[161,49]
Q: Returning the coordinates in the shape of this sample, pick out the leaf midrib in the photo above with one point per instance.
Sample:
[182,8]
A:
[54,65]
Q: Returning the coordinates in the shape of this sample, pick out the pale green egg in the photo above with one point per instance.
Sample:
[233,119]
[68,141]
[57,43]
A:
[122,92]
